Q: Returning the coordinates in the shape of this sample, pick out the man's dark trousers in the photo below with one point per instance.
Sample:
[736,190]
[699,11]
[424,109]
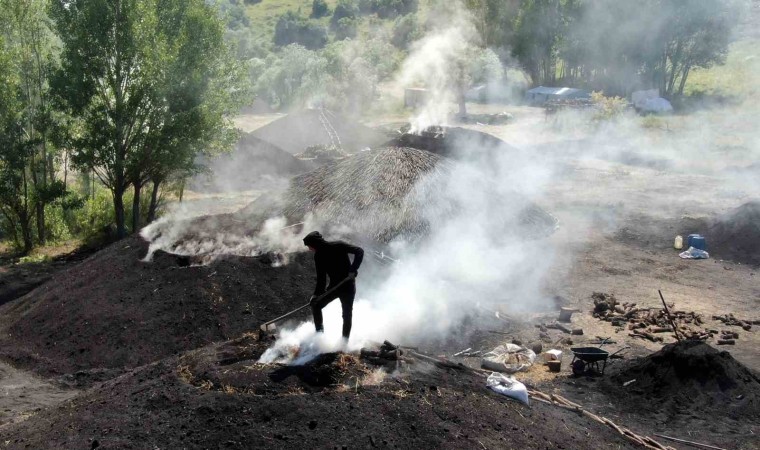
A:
[346,294]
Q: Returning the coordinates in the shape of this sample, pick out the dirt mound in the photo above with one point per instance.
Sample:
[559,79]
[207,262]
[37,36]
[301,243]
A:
[161,406]
[310,127]
[736,235]
[114,311]
[253,163]
[691,377]
[453,142]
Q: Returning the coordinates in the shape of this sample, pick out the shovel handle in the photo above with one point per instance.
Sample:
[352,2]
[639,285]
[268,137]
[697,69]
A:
[265,325]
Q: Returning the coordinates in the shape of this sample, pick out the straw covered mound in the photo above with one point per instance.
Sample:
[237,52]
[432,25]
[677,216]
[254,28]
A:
[393,191]
[374,192]
[252,163]
[309,127]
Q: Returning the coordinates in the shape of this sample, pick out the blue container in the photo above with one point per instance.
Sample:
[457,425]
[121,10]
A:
[699,242]
[689,238]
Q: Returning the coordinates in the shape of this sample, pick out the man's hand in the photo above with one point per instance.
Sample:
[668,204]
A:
[313,300]
[352,275]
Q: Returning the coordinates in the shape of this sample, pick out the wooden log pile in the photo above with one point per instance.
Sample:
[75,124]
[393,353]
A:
[730,320]
[649,323]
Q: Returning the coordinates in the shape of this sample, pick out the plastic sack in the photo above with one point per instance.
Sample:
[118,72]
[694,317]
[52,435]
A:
[694,253]
[509,358]
[552,355]
[507,385]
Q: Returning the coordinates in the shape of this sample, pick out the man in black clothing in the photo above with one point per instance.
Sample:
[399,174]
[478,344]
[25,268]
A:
[331,259]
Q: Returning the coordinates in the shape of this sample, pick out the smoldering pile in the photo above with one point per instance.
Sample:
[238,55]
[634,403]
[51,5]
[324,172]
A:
[736,235]
[372,196]
[690,376]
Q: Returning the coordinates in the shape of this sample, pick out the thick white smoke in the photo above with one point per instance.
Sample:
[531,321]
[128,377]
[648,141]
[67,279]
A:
[438,62]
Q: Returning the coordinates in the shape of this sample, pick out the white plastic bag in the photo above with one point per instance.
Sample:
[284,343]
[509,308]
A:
[507,385]
[509,358]
[694,253]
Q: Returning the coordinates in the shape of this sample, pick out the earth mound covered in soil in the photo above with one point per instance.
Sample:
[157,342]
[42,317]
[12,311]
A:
[113,311]
[736,235]
[690,377]
[319,127]
[453,142]
[252,163]
[219,397]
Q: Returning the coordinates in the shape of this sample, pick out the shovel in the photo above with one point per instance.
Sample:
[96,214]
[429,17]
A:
[272,324]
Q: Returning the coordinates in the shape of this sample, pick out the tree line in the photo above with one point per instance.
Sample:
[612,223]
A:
[126,91]
[611,45]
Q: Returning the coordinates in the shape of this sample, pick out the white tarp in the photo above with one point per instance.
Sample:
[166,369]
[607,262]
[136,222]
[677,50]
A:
[508,358]
[656,105]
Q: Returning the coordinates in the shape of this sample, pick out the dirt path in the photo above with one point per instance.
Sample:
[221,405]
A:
[22,395]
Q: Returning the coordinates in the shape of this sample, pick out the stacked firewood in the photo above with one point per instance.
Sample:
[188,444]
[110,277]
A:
[648,323]
[730,320]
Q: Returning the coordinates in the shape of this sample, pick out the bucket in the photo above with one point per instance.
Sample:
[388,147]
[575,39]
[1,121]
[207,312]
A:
[699,242]
[554,366]
[689,238]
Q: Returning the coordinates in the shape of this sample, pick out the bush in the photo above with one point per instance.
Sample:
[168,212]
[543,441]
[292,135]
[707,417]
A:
[406,30]
[319,9]
[388,8]
[293,29]
[345,9]
[346,29]
[608,107]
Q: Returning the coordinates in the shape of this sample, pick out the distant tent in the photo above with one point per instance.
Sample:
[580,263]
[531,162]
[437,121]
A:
[542,94]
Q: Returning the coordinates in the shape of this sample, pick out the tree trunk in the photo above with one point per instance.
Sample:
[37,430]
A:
[686,71]
[118,206]
[136,208]
[40,222]
[153,201]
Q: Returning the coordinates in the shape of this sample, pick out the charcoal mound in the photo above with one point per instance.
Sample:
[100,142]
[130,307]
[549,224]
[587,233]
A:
[691,376]
[253,163]
[453,142]
[114,311]
[167,405]
[319,127]
[736,235]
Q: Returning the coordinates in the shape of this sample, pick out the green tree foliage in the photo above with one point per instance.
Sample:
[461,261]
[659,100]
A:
[388,8]
[28,157]
[291,78]
[406,29]
[294,29]
[319,9]
[152,85]
[615,45]
[345,9]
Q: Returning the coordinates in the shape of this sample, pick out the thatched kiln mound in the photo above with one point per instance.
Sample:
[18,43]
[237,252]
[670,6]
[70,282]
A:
[736,235]
[113,311]
[393,192]
[311,127]
[253,163]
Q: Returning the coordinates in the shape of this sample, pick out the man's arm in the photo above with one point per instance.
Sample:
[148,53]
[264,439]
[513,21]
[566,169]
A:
[358,253]
[321,276]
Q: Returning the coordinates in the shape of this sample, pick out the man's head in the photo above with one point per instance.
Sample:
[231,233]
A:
[314,240]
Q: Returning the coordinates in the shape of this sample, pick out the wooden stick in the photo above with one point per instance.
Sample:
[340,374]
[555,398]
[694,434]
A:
[670,318]
[695,444]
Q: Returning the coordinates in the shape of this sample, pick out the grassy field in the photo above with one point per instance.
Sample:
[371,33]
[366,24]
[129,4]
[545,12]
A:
[737,78]
[264,15]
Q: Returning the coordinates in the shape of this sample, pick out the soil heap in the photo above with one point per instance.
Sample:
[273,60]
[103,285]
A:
[453,142]
[690,377]
[220,397]
[252,163]
[736,235]
[311,127]
[114,312]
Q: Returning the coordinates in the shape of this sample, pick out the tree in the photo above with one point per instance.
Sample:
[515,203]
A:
[345,9]
[30,42]
[319,9]
[294,77]
[406,29]
[151,82]
[294,29]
